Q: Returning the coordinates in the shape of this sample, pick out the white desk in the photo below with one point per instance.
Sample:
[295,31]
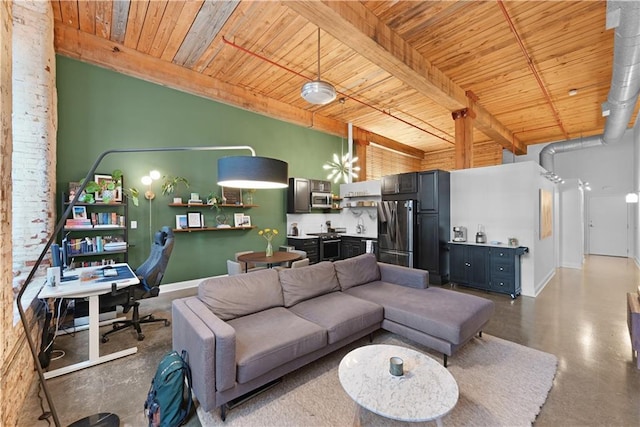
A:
[92,288]
[426,391]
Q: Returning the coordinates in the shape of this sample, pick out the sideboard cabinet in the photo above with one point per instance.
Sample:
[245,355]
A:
[487,267]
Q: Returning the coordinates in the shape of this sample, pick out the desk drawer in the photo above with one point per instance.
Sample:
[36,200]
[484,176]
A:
[502,266]
[503,283]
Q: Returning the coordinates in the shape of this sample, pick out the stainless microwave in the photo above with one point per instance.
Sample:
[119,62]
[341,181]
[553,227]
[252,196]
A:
[321,200]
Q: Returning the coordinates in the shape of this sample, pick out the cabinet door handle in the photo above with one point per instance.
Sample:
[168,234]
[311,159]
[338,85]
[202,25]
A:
[501,269]
[467,264]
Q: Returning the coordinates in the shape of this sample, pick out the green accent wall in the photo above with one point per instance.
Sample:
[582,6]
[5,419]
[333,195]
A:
[100,110]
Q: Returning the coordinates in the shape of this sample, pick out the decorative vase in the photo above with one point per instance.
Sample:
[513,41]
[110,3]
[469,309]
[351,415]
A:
[269,251]
[108,196]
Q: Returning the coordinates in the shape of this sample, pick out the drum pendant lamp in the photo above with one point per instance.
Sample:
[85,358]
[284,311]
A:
[318,92]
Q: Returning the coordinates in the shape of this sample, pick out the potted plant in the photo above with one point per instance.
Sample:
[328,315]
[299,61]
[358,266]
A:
[107,189]
[170,185]
[214,200]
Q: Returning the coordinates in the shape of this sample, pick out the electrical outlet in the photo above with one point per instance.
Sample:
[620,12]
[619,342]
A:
[134,225]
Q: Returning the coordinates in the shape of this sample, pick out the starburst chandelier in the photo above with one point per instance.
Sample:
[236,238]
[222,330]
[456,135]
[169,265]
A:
[342,167]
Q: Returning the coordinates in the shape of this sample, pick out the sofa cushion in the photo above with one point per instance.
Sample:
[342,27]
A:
[242,294]
[449,315]
[271,338]
[340,314]
[356,271]
[299,284]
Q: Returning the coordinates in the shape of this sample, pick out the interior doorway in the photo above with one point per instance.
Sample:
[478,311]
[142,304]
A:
[607,229]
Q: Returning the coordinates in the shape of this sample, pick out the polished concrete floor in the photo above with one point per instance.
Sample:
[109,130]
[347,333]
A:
[580,317]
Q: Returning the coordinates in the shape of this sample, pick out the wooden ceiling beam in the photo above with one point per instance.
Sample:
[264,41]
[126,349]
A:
[364,135]
[117,57]
[356,26]
[95,50]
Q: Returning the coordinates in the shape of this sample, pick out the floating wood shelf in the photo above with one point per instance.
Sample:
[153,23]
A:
[189,230]
[204,205]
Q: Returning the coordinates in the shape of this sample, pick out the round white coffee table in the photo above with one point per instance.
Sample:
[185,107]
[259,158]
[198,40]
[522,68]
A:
[426,391]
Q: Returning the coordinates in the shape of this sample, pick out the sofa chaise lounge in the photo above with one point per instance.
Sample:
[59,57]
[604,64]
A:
[245,331]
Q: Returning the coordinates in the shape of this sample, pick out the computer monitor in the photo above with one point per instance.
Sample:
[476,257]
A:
[59,259]
[56,258]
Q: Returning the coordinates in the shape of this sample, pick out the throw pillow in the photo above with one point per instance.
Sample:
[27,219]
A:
[356,271]
[242,294]
[300,284]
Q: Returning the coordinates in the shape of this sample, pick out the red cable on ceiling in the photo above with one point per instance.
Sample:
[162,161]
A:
[243,49]
[533,68]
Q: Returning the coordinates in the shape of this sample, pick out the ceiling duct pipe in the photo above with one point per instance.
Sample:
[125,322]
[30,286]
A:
[625,83]
[550,150]
[624,16]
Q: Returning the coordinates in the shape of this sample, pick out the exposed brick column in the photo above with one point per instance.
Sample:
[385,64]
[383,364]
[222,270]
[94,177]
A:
[28,167]
[34,133]
[6,293]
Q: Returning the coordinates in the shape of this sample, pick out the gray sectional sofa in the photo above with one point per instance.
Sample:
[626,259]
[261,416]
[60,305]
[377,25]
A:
[244,331]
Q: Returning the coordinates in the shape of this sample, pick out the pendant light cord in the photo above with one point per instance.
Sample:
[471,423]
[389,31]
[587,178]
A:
[318,53]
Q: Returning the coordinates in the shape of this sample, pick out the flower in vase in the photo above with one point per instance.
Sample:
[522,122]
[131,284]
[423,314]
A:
[268,233]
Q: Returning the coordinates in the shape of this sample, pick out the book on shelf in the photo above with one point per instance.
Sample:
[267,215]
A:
[107,219]
[88,245]
[78,223]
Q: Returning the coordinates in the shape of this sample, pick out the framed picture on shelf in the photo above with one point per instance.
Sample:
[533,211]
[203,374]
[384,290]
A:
[73,189]
[232,196]
[79,212]
[181,221]
[194,220]
[103,180]
[246,221]
[237,219]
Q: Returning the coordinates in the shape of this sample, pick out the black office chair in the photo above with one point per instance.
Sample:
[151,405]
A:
[150,274]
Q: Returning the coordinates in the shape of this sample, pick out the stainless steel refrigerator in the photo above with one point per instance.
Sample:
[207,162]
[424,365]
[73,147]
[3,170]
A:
[396,220]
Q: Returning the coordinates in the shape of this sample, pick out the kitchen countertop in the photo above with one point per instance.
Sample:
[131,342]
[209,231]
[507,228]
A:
[497,245]
[308,236]
[363,236]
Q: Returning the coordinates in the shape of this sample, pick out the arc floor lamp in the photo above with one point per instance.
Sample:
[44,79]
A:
[233,171]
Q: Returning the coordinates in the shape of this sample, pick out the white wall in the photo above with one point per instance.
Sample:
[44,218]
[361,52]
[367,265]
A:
[635,230]
[571,226]
[609,169]
[505,200]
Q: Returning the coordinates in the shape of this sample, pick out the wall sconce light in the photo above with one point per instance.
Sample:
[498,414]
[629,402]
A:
[148,180]
[631,198]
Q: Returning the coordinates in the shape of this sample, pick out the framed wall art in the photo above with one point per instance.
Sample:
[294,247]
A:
[232,196]
[181,221]
[194,220]
[546,214]
[103,181]
[79,212]
[237,219]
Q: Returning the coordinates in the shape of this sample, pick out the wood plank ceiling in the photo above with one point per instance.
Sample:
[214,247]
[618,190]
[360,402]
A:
[403,66]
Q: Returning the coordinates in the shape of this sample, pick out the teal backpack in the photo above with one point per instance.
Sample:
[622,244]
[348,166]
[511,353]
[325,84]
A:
[169,399]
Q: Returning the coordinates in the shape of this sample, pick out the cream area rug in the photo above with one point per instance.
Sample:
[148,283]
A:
[501,384]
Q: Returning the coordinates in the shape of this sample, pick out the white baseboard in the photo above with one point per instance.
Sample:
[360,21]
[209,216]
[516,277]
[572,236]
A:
[575,265]
[544,282]
[187,284]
